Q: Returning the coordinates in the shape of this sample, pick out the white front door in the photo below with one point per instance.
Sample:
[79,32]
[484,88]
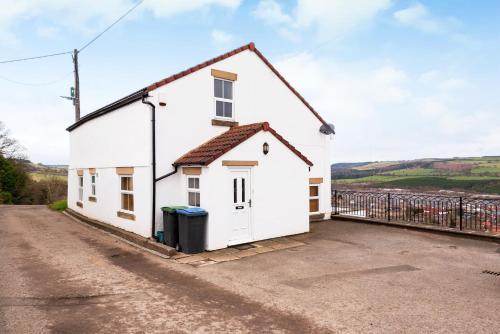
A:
[240,205]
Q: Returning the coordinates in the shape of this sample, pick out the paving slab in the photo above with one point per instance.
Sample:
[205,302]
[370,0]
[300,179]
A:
[223,257]
[263,249]
[189,259]
[246,253]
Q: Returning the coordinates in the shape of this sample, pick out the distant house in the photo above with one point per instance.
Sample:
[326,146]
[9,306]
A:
[230,135]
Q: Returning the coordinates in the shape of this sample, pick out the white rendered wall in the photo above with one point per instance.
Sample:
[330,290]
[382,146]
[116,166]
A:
[259,96]
[118,139]
[279,192]
[123,138]
[108,198]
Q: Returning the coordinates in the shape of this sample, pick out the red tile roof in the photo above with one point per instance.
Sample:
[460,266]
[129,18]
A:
[217,146]
[251,47]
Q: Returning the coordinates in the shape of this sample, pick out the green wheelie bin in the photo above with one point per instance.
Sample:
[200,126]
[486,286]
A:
[171,225]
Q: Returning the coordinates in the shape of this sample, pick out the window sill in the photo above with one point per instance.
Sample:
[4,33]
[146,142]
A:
[80,204]
[221,122]
[313,217]
[125,215]
[92,199]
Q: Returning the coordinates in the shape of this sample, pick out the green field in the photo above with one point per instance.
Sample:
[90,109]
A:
[43,176]
[476,175]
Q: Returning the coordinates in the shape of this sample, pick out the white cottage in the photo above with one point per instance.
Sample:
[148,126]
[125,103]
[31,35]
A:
[230,135]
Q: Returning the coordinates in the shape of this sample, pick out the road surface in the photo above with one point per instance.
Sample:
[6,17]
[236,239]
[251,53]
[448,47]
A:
[62,277]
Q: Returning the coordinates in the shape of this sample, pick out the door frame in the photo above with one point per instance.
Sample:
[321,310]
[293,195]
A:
[249,208]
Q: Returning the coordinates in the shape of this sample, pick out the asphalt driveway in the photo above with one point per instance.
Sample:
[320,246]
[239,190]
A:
[60,276]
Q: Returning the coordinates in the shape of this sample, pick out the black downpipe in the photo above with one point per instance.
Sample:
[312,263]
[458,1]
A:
[168,174]
[153,138]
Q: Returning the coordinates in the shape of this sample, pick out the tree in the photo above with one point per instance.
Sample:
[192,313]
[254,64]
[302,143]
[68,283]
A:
[9,147]
[16,186]
[13,180]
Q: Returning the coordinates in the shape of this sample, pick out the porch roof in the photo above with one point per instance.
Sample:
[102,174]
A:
[217,146]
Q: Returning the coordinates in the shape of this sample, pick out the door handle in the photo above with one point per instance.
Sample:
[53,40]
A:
[250,202]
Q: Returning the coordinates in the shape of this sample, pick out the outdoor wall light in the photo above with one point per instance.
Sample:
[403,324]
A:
[265,148]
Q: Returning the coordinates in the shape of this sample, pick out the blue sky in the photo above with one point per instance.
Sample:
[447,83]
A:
[399,79]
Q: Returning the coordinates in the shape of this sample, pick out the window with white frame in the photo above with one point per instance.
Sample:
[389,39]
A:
[127,193]
[313,198]
[223,93]
[92,184]
[193,191]
[80,188]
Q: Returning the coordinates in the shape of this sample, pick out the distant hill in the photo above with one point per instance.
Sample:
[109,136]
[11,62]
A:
[40,171]
[470,174]
[46,169]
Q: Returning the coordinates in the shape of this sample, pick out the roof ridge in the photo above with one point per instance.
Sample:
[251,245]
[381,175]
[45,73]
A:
[178,75]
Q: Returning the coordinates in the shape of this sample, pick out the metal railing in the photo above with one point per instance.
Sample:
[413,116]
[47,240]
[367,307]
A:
[461,213]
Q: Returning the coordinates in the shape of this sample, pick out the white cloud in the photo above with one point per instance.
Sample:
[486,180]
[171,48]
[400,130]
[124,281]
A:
[271,12]
[91,15]
[173,7]
[419,17]
[383,112]
[337,17]
[221,37]
[354,88]
[331,18]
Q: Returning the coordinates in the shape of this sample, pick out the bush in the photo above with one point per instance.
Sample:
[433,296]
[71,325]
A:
[5,197]
[59,205]
[13,179]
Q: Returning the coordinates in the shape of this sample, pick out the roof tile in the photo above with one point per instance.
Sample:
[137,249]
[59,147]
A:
[217,146]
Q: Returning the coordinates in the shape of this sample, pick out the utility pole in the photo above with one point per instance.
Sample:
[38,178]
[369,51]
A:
[76,100]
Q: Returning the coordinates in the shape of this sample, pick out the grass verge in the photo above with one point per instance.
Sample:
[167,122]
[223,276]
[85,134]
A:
[59,205]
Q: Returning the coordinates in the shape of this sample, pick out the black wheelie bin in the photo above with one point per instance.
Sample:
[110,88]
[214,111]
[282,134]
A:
[192,230]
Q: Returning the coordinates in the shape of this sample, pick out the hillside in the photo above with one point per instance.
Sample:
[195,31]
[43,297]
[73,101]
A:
[472,174]
[40,171]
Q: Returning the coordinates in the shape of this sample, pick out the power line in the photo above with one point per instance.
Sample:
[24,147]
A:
[81,49]
[36,57]
[36,83]
[110,26]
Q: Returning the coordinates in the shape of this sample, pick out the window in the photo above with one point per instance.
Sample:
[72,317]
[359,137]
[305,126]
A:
[80,188]
[127,193]
[223,92]
[314,198]
[193,190]
[92,183]
[239,182]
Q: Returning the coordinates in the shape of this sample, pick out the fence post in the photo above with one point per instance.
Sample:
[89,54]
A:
[461,212]
[336,212]
[389,206]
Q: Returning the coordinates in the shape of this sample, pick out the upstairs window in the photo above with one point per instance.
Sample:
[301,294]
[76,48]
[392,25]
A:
[127,193]
[193,191]
[223,93]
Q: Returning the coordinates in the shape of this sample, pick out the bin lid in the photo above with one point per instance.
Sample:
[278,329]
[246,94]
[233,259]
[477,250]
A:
[172,209]
[192,212]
